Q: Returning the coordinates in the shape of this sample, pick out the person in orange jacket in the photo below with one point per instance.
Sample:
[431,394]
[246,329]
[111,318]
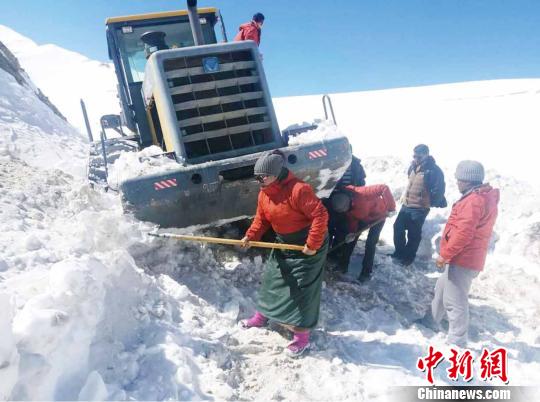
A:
[251,30]
[290,292]
[463,248]
[360,207]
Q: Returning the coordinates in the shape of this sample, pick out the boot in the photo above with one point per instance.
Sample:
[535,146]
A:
[256,321]
[299,345]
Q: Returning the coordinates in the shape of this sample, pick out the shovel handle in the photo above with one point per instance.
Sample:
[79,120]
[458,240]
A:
[231,242]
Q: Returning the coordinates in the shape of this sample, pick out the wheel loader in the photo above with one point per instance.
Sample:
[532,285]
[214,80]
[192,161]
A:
[206,104]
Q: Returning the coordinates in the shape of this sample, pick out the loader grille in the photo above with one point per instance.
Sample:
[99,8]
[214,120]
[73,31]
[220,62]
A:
[218,111]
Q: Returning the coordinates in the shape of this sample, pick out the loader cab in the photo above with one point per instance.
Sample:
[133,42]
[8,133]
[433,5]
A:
[126,37]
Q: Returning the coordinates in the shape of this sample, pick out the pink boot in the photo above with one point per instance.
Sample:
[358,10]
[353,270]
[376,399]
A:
[257,320]
[299,344]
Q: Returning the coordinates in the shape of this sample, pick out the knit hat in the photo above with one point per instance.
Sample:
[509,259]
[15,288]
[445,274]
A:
[269,165]
[471,171]
[340,202]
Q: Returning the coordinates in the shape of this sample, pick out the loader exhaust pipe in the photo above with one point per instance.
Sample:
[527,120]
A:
[195,22]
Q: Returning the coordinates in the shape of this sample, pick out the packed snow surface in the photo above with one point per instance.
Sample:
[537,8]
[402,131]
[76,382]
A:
[94,309]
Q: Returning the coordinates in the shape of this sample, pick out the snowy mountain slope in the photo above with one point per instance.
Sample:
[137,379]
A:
[10,64]
[30,129]
[66,77]
[98,310]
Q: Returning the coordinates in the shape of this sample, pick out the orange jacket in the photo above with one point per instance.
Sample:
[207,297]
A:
[466,235]
[249,31]
[289,206]
[369,204]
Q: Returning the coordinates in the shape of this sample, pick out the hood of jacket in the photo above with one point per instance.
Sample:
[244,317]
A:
[490,194]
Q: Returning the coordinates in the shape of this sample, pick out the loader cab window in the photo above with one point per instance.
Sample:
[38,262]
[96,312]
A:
[177,35]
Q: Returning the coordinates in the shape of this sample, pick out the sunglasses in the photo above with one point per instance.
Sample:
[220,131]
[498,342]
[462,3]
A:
[260,178]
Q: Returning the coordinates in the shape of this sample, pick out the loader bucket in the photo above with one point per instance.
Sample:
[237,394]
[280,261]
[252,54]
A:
[226,189]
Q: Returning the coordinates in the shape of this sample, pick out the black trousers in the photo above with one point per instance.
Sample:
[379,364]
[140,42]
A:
[409,220]
[342,255]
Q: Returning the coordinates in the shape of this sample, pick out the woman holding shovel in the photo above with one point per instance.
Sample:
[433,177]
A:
[291,286]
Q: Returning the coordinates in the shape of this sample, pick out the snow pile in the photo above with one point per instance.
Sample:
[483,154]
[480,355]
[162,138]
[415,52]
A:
[66,77]
[324,131]
[145,162]
[87,322]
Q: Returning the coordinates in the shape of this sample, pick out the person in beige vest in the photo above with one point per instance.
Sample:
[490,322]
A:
[425,190]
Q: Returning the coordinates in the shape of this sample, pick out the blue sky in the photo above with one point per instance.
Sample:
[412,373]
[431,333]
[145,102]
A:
[332,46]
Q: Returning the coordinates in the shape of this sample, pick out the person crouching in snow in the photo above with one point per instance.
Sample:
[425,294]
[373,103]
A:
[251,30]
[290,292]
[463,248]
[360,207]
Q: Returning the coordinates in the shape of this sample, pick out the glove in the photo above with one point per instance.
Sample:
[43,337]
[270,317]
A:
[350,238]
[389,214]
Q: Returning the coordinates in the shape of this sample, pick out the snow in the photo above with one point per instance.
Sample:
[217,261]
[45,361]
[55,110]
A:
[324,131]
[94,309]
[66,77]
[149,160]
[29,130]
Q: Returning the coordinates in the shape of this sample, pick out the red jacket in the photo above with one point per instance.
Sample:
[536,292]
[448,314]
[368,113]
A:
[249,31]
[466,235]
[369,204]
[289,206]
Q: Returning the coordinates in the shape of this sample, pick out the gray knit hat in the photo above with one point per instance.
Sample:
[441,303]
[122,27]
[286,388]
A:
[471,171]
[269,165]
[340,202]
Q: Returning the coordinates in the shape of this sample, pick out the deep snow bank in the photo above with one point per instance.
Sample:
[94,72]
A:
[83,320]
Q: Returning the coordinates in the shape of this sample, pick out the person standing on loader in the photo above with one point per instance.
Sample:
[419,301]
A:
[291,285]
[360,207]
[251,30]
[425,189]
[463,248]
